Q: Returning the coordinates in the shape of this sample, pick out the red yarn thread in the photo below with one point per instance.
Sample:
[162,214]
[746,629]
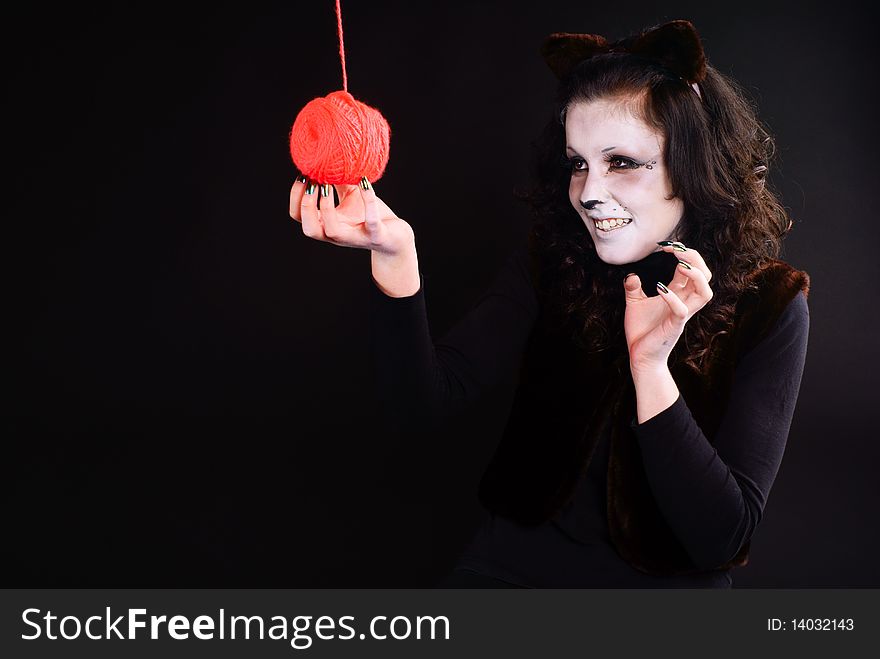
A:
[337,139]
[341,45]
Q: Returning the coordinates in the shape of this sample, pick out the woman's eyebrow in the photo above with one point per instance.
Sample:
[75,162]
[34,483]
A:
[606,149]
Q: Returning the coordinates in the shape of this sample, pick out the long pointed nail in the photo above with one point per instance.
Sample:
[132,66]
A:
[310,188]
[365,184]
[686,265]
[325,190]
[302,179]
[662,287]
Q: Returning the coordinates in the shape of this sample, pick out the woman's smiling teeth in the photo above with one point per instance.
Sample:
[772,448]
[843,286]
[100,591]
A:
[611,224]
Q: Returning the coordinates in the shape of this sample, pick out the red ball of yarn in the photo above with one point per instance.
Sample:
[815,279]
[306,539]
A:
[337,139]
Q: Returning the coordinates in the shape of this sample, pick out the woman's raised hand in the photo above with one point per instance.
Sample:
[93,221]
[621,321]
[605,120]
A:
[360,220]
[653,325]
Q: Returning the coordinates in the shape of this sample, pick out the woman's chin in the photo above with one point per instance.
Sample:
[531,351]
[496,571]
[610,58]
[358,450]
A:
[618,255]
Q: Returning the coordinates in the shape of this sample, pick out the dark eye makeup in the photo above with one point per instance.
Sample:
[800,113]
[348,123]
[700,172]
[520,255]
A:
[575,163]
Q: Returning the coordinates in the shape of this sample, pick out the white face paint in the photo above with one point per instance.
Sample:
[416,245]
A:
[617,159]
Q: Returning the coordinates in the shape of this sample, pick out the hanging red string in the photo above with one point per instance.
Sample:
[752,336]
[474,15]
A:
[337,139]
[341,44]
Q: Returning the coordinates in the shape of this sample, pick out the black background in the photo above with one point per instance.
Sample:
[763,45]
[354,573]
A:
[188,398]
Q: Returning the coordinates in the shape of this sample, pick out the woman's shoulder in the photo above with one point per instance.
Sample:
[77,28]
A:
[520,263]
[513,279]
[779,278]
[775,302]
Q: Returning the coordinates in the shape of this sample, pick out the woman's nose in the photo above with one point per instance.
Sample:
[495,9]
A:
[593,192]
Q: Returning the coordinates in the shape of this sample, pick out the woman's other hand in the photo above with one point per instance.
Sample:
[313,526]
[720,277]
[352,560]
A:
[653,325]
[360,220]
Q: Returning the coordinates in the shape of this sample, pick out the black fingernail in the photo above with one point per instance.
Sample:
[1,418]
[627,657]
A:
[628,276]
[302,179]
[662,287]
[685,264]
[665,243]
[310,188]
[678,247]
[325,190]
[365,184]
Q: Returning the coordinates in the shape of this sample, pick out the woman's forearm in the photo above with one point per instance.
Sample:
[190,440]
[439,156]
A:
[397,275]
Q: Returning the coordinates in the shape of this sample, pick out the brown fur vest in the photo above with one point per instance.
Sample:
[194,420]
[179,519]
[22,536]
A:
[567,398]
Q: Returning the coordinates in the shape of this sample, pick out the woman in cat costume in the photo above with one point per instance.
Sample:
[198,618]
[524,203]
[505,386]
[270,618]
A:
[656,340]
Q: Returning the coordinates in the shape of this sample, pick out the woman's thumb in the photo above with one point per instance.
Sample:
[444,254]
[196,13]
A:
[633,286]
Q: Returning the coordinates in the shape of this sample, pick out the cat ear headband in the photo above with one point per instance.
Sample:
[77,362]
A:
[676,45]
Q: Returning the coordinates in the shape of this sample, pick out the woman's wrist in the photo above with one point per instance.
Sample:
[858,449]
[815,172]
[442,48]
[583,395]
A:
[397,273]
[655,389]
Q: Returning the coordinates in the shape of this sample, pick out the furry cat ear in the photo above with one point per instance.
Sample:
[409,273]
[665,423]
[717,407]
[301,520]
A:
[564,50]
[677,46]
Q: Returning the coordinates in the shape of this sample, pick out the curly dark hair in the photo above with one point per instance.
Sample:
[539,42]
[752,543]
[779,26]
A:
[717,153]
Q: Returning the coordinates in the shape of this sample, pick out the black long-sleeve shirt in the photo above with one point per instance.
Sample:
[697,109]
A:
[712,496]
